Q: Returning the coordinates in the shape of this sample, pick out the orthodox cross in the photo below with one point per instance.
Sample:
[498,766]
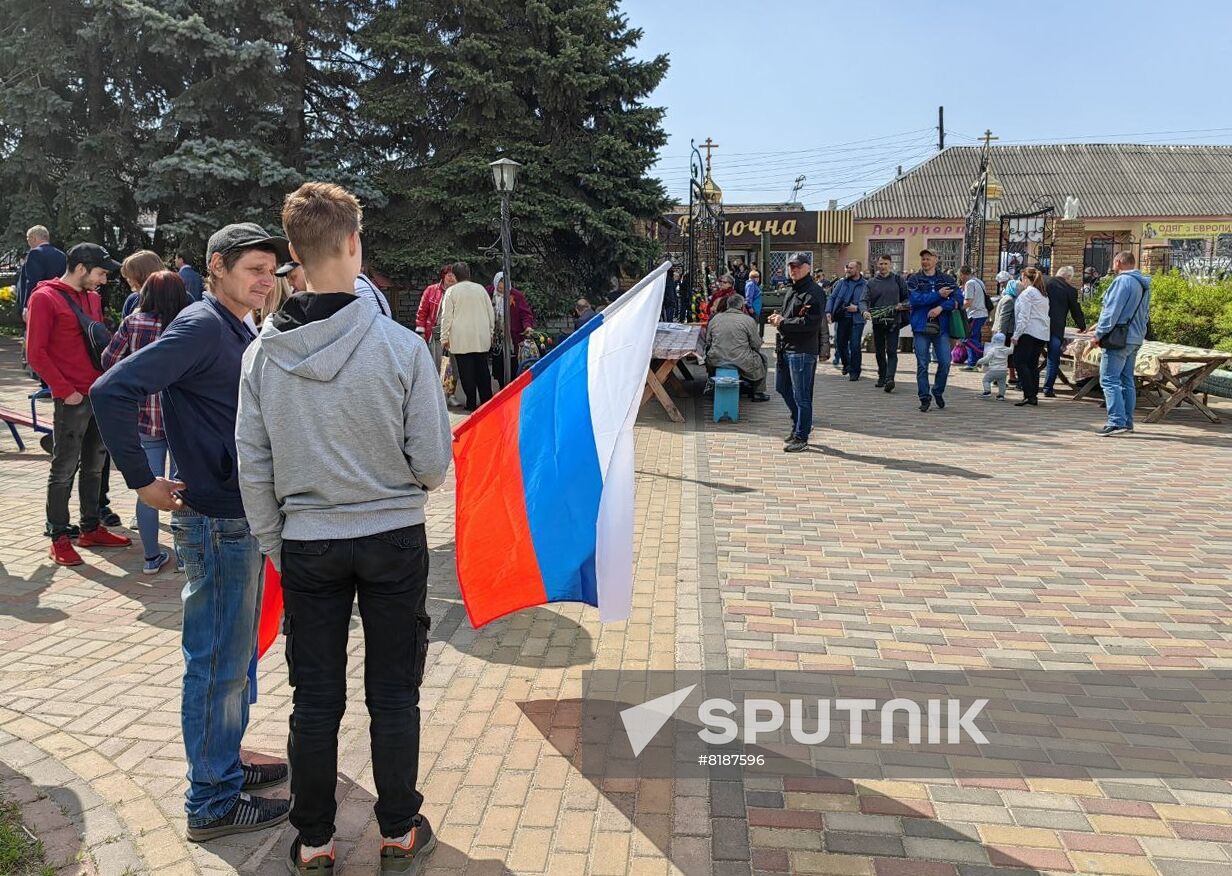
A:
[708,146]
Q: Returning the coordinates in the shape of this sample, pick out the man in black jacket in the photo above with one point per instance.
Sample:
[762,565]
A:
[799,326]
[1062,302]
[886,292]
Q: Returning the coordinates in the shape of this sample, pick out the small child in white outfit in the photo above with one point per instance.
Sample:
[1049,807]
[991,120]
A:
[996,363]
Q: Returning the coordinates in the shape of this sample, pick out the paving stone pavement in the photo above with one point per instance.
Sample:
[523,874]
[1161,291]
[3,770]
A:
[975,537]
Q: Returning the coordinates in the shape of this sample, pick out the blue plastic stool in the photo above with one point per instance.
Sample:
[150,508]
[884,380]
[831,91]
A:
[727,394]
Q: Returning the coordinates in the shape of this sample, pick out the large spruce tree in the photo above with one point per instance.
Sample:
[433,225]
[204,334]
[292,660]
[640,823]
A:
[549,83]
[207,111]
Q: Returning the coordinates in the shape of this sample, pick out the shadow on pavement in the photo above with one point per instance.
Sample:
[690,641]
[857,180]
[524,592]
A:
[907,465]
[722,488]
[537,638]
[589,733]
[20,597]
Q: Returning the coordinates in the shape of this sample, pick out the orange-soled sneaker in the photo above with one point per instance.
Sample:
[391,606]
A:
[100,537]
[63,553]
[408,854]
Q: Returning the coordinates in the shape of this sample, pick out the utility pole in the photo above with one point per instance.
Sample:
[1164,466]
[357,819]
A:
[940,128]
[795,189]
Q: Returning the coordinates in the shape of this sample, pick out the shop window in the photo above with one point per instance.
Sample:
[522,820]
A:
[949,253]
[892,248]
[778,262]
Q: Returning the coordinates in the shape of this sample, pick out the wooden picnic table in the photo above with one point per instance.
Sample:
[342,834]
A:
[673,344]
[1170,373]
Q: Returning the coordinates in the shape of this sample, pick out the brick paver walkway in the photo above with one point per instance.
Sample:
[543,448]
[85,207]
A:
[977,536]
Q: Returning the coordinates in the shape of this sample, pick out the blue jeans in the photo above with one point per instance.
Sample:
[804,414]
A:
[847,338]
[147,517]
[940,346]
[1116,378]
[221,606]
[795,384]
[975,343]
[1054,362]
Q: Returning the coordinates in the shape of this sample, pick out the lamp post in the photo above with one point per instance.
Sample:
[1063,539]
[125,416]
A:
[505,175]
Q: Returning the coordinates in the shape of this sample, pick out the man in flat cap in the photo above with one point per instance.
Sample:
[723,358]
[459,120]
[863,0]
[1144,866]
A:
[195,364]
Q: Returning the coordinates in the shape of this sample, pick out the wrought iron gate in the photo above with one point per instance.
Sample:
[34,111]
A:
[703,243]
[1026,239]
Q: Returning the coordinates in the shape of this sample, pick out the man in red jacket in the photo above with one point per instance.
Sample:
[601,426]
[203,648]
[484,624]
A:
[57,350]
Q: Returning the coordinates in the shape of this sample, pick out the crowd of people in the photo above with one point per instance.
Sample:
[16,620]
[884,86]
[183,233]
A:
[213,407]
[947,316]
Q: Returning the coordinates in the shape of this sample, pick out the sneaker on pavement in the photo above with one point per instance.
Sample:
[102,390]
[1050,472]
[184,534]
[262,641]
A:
[986,394]
[248,814]
[317,863]
[154,564]
[880,384]
[108,517]
[889,387]
[263,775]
[925,404]
[408,854]
[63,552]
[796,446]
[761,397]
[940,401]
[1049,393]
[100,537]
[1112,430]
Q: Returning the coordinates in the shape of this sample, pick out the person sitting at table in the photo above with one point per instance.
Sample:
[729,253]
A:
[582,313]
[732,339]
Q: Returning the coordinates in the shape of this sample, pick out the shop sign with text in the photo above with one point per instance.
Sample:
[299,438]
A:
[1185,230]
[932,229]
[749,227]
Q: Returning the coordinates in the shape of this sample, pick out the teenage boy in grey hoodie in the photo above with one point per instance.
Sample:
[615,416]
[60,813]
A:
[342,430]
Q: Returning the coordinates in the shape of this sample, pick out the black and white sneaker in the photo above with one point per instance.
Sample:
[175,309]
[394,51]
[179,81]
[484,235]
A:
[799,445]
[263,775]
[1112,430]
[247,815]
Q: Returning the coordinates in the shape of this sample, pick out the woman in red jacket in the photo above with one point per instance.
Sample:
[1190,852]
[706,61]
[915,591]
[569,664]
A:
[427,316]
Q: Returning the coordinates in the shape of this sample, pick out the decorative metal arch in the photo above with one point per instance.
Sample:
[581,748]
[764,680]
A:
[703,236]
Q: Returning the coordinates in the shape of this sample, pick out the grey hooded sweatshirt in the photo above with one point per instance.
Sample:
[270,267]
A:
[342,425]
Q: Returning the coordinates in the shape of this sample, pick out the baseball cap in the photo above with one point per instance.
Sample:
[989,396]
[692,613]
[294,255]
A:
[245,235]
[800,258]
[284,269]
[92,256]
[927,251]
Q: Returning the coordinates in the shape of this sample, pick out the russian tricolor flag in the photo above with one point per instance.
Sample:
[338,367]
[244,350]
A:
[545,471]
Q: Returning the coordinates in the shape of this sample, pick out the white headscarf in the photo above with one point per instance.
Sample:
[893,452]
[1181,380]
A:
[498,303]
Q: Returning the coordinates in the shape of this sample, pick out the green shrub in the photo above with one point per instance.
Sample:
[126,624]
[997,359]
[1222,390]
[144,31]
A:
[1184,310]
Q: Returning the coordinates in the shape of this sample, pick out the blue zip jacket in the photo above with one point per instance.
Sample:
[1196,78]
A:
[846,292]
[925,296]
[195,364]
[752,297]
[1130,288]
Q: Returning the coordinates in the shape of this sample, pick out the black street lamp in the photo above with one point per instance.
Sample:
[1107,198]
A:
[505,175]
